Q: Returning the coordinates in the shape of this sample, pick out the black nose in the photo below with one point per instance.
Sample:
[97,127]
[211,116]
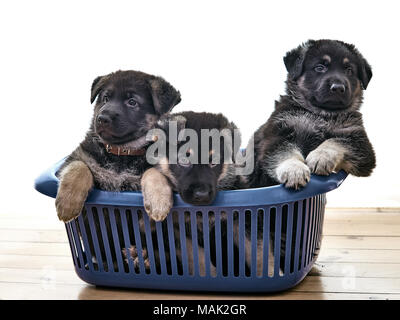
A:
[103,119]
[338,88]
[202,193]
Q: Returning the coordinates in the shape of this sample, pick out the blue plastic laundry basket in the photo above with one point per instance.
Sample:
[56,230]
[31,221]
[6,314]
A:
[175,255]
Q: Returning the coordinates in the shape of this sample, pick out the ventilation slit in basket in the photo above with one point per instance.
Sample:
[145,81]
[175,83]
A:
[216,242]
[224,243]
[156,251]
[260,247]
[82,229]
[267,256]
[143,240]
[283,242]
[248,242]
[189,244]
[295,238]
[272,256]
[194,241]
[114,243]
[122,245]
[289,246]
[72,244]
[200,242]
[212,243]
[78,243]
[106,236]
[91,253]
[167,247]
[235,231]
[171,241]
[178,250]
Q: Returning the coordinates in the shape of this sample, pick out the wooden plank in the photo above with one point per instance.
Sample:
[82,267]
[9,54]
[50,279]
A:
[349,284]
[362,256]
[44,236]
[35,249]
[359,228]
[36,262]
[86,292]
[360,242]
[358,270]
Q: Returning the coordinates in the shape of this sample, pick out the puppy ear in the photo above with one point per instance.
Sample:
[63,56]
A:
[364,69]
[165,96]
[97,85]
[294,60]
[364,73]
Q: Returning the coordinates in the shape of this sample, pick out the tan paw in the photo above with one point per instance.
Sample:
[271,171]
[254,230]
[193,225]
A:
[322,161]
[157,205]
[293,173]
[69,203]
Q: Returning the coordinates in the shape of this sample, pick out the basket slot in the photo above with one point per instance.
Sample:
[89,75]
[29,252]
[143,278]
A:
[195,245]
[86,246]
[182,236]
[160,240]
[138,242]
[78,245]
[149,242]
[242,257]
[266,245]
[71,243]
[230,251]
[206,241]
[105,236]
[253,242]
[288,241]
[298,226]
[126,241]
[98,257]
[189,242]
[277,242]
[117,248]
[218,245]
[306,204]
[312,229]
[171,241]
[308,231]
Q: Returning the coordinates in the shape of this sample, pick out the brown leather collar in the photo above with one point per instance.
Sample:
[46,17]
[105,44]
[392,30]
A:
[124,151]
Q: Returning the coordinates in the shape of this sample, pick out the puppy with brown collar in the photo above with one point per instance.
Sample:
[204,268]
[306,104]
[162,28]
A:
[112,156]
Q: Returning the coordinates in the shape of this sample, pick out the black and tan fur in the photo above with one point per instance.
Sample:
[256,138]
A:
[128,105]
[316,127]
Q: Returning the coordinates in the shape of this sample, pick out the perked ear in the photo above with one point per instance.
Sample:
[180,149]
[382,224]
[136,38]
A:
[97,85]
[294,60]
[165,96]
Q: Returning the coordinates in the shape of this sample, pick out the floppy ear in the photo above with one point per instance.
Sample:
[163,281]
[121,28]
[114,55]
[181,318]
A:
[364,69]
[364,73]
[97,85]
[294,60]
[165,96]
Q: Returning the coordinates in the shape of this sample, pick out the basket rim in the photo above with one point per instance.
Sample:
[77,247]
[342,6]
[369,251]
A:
[47,184]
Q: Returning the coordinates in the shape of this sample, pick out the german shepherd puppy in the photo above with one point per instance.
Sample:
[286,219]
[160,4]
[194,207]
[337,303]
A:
[316,127]
[112,155]
[195,181]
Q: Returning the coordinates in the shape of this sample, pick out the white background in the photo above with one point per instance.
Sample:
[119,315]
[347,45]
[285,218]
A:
[223,56]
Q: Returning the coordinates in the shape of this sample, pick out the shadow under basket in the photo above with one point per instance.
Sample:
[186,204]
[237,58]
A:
[252,240]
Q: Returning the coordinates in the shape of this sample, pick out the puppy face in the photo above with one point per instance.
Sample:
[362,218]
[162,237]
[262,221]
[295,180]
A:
[196,181]
[329,74]
[129,104]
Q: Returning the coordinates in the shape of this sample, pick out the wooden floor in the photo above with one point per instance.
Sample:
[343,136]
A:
[359,259]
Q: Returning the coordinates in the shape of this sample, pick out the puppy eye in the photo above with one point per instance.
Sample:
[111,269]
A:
[349,71]
[184,162]
[132,103]
[106,99]
[320,68]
